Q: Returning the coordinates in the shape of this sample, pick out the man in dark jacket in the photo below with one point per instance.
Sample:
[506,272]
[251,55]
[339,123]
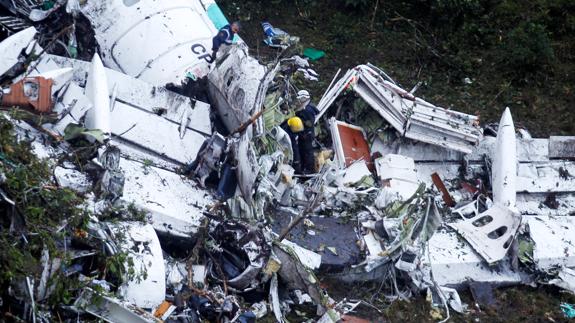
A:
[225,36]
[307,113]
[301,131]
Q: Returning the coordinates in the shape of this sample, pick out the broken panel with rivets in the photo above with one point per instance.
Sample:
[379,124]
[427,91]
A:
[490,233]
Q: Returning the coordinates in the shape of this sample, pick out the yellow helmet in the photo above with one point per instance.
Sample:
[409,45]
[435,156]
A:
[295,124]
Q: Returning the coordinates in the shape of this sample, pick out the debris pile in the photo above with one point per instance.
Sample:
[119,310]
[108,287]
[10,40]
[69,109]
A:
[147,184]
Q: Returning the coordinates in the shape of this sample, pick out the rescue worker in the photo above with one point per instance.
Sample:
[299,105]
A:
[301,131]
[225,36]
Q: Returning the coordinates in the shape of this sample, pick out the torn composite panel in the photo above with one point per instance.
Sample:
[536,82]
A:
[490,233]
[135,119]
[528,150]
[554,241]
[125,43]
[540,189]
[176,204]
[12,46]
[454,263]
[140,94]
[110,309]
[412,117]
[237,86]
[148,288]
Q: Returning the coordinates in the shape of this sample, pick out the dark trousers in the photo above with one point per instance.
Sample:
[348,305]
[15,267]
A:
[303,158]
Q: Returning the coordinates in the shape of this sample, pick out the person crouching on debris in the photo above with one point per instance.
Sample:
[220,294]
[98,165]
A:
[225,36]
[301,131]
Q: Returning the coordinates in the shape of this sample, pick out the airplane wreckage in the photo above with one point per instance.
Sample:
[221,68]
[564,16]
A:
[406,193]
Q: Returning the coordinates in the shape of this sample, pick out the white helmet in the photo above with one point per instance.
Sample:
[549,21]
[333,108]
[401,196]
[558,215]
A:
[303,95]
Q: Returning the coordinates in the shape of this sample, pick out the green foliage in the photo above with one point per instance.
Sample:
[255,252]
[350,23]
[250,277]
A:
[527,48]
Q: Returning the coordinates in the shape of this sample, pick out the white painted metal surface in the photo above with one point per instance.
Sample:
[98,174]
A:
[153,133]
[135,117]
[11,47]
[490,233]
[399,175]
[562,147]
[156,41]
[554,176]
[175,203]
[71,106]
[455,263]
[554,241]
[112,310]
[237,86]
[98,117]
[396,167]
[141,94]
[72,179]
[60,77]
[148,290]
[248,167]
[504,169]
[411,116]
[308,258]
[355,173]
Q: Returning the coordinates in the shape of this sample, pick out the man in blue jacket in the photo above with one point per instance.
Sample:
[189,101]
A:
[225,36]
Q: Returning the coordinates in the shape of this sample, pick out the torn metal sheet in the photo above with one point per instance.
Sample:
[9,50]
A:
[490,233]
[72,106]
[554,241]
[155,134]
[143,95]
[355,173]
[72,179]
[12,46]
[553,176]
[242,254]
[504,169]
[237,87]
[60,77]
[398,175]
[349,142]
[275,299]
[181,29]
[148,288]
[247,168]
[112,310]
[562,147]
[393,166]
[565,279]
[453,263]
[411,116]
[297,276]
[307,257]
[176,204]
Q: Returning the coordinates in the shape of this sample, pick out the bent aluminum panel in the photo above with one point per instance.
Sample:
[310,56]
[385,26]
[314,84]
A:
[490,233]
